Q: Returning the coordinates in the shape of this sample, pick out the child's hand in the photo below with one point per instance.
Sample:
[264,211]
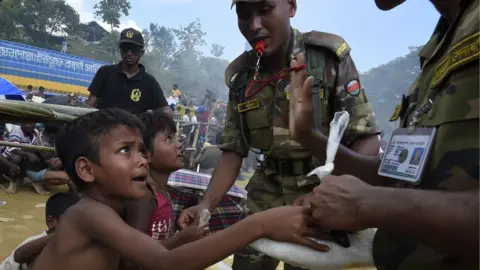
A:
[193,233]
[292,224]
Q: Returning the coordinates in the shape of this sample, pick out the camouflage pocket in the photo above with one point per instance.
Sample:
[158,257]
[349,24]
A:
[258,124]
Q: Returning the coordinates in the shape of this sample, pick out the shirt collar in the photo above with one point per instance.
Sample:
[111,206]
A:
[137,76]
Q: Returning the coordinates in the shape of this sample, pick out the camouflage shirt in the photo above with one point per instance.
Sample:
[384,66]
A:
[265,122]
[449,64]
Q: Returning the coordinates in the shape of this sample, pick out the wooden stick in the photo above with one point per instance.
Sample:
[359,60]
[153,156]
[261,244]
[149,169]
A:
[28,146]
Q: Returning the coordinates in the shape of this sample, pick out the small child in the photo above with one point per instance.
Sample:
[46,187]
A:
[153,214]
[26,252]
[103,153]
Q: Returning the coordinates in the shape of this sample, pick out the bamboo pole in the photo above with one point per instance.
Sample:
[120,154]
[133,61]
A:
[70,110]
[28,146]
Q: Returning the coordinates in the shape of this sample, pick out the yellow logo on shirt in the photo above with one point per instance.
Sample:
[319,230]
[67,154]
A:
[135,95]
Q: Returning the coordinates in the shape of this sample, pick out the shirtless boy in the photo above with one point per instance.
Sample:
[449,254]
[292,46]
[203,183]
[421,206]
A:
[107,163]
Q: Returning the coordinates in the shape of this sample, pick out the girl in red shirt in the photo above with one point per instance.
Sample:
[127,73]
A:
[153,214]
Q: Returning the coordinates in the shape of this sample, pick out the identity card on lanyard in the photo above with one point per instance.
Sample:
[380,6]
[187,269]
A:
[407,154]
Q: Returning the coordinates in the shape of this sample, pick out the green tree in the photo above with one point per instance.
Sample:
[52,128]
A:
[10,11]
[110,11]
[217,50]
[190,36]
[39,26]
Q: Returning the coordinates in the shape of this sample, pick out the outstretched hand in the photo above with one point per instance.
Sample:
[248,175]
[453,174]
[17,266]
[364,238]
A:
[301,107]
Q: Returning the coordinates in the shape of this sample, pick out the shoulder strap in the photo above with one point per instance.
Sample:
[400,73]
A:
[315,66]
[316,45]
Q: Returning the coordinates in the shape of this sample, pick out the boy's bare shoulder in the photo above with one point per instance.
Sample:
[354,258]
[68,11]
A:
[88,212]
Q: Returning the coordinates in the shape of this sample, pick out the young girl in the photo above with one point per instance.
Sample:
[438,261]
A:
[153,214]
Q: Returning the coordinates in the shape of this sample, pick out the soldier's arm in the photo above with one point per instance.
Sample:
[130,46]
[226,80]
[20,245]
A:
[443,220]
[363,129]
[234,150]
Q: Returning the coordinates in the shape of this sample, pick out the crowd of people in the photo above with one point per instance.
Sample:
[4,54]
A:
[420,193]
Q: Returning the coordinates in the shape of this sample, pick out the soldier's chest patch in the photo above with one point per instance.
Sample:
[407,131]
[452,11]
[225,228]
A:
[249,105]
[353,87]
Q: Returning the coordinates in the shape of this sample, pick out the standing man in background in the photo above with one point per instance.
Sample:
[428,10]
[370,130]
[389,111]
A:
[127,85]
[175,91]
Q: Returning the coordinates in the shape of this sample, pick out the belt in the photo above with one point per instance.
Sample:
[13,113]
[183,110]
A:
[290,167]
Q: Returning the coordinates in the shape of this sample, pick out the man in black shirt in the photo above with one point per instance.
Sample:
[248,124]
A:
[126,85]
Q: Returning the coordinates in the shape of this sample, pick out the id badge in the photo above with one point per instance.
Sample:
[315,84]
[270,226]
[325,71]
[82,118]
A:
[407,154]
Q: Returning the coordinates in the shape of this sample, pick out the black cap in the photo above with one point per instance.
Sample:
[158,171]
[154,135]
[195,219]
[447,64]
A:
[131,35]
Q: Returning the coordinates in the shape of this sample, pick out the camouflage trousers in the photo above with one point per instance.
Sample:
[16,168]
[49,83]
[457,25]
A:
[268,189]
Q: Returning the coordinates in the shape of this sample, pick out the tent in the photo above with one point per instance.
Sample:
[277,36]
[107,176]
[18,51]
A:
[7,88]
[9,91]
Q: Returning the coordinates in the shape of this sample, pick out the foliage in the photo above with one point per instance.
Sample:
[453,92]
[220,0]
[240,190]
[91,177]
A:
[386,84]
[173,56]
[217,50]
[110,11]
[31,21]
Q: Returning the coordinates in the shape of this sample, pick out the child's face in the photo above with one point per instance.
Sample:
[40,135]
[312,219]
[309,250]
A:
[167,152]
[122,169]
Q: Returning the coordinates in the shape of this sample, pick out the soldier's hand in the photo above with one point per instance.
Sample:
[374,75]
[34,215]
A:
[301,107]
[339,203]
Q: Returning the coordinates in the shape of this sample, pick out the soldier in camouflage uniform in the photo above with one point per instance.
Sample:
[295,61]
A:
[433,223]
[261,121]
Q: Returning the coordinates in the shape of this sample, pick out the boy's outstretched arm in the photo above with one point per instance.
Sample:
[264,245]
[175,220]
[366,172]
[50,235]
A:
[289,224]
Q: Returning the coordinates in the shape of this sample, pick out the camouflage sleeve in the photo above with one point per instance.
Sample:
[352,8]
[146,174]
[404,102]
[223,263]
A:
[350,96]
[232,134]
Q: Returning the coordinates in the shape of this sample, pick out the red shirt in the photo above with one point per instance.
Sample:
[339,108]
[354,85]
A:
[162,220]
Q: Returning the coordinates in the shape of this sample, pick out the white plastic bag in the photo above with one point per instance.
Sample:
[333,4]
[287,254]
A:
[337,128]
[360,251]
[359,254]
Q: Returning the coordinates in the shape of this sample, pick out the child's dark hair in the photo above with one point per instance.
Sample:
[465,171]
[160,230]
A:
[154,122]
[58,203]
[79,139]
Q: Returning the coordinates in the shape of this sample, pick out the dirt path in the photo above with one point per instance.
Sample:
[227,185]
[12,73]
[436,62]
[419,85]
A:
[22,216]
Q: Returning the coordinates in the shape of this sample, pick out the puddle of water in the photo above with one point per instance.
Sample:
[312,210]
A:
[2,219]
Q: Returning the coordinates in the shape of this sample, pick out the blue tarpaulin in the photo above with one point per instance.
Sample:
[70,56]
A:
[7,88]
